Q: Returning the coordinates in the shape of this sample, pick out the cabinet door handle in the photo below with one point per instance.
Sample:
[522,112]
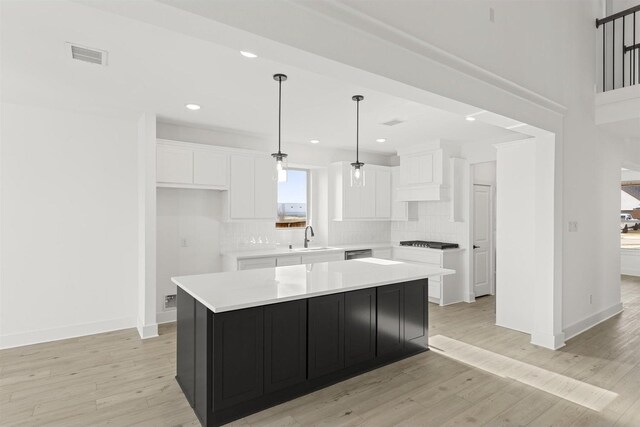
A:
[475,247]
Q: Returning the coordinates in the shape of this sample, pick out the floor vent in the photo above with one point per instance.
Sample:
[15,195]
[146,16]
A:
[87,54]
[170,301]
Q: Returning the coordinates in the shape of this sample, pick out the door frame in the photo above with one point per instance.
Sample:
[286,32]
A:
[492,245]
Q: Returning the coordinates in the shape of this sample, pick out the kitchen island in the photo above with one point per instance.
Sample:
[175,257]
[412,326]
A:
[248,340]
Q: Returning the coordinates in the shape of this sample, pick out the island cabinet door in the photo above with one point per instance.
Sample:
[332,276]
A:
[415,315]
[326,335]
[238,356]
[360,326]
[285,345]
[390,334]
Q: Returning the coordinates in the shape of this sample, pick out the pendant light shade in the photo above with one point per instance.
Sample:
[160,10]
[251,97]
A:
[280,173]
[357,168]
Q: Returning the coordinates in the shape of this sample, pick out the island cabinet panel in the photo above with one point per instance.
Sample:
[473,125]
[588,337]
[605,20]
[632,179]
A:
[238,356]
[416,320]
[390,314]
[360,326]
[203,343]
[185,357]
[285,345]
[326,335]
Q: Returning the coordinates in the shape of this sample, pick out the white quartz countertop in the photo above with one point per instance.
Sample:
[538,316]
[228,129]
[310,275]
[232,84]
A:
[282,251]
[234,290]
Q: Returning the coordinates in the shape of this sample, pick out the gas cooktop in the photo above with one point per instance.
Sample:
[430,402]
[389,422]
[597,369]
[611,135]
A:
[426,244]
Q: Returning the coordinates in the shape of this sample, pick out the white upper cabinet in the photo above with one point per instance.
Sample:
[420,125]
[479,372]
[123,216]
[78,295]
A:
[186,165]
[247,175]
[371,202]
[241,201]
[210,168]
[252,193]
[265,188]
[174,165]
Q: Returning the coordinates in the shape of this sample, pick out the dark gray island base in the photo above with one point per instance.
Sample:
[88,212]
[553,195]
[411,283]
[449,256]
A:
[235,363]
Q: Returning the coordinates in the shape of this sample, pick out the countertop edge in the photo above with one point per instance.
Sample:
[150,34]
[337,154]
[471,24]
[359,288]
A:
[444,272]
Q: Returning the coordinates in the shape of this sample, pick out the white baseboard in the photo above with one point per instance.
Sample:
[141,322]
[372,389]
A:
[147,331]
[589,322]
[550,341]
[65,332]
[166,316]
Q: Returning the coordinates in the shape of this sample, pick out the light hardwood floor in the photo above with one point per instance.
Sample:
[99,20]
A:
[116,379]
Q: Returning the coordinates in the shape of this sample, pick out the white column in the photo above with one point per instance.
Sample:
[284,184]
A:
[528,240]
[147,325]
[547,307]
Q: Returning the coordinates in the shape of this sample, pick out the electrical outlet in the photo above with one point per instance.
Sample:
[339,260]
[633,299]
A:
[573,226]
[183,242]
[170,301]
[492,15]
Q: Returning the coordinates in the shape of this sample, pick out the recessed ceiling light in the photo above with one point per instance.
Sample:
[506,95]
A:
[470,119]
[314,141]
[248,54]
[192,107]
[381,140]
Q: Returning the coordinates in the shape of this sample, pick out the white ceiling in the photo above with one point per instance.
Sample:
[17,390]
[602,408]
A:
[158,70]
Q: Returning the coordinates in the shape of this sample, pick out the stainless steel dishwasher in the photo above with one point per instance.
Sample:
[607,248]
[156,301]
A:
[362,253]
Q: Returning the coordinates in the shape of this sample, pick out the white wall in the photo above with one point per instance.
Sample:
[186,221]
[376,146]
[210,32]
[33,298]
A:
[68,224]
[188,239]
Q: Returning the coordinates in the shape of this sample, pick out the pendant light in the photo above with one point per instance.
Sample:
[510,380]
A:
[280,174]
[357,170]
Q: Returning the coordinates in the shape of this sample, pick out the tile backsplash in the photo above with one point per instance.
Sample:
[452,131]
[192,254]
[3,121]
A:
[354,232]
[433,224]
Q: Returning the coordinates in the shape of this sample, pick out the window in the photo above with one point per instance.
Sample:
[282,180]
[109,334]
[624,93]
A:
[293,200]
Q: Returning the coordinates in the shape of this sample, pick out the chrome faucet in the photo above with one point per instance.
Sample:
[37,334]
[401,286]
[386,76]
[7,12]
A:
[306,240]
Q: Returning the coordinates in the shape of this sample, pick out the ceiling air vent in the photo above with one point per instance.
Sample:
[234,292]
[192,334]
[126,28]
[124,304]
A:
[87,54]
[393,122]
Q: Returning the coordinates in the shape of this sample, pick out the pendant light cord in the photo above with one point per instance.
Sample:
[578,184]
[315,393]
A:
[358,131]
[279,111]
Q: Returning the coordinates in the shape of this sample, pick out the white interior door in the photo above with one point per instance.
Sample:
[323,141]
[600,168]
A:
[482,236]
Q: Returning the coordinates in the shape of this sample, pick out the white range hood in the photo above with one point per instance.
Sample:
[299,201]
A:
[425,172]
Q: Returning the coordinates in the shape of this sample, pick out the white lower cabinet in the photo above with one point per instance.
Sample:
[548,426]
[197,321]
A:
[384,253]
[314,258]
[292,259]
[282,261]
[253,263]
[443,290]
